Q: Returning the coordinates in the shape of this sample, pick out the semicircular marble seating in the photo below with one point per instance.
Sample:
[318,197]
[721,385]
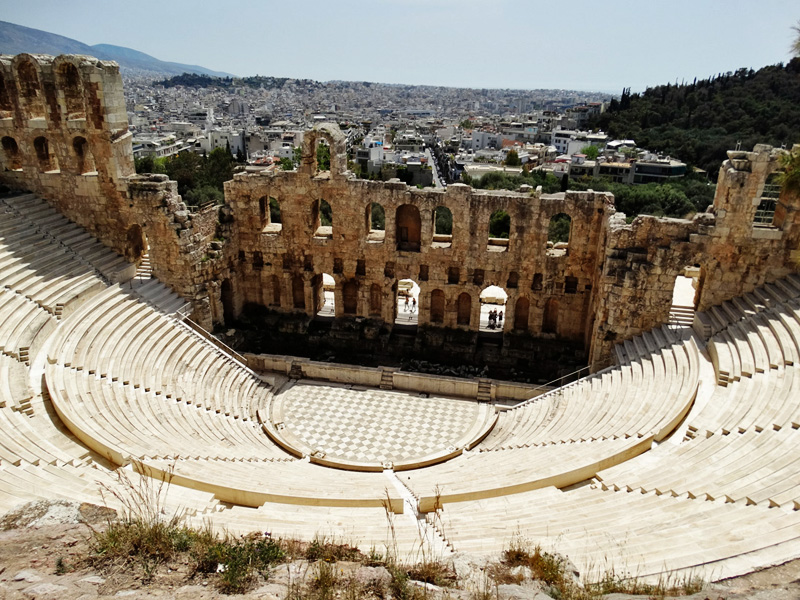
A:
[682,456]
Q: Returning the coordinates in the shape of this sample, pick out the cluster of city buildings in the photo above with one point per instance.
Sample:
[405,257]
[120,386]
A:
[426,136]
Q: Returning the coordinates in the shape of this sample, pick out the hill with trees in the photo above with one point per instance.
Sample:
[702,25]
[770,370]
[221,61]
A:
[698,122]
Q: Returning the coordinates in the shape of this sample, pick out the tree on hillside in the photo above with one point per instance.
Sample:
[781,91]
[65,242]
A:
[512,159]
[790,177]
[796,43]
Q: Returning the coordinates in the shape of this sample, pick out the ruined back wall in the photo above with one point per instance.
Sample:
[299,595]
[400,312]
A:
[64,133]
[737,246]
[280,265]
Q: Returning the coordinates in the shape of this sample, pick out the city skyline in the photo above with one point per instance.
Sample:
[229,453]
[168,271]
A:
[464,43]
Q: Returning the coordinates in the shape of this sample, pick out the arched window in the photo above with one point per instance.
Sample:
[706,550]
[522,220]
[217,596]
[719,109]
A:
[537,284]
[44,154]
[437,306]
[550,319]
[70,81]
[30,90]
[270,212]
[322,156]
[375,218]
[464,309]
[499,231]
[375,299]
[83,156]
[409,228]
[350,297]
[521,311]
[558,235]
[323,219]
[442,227]
[11,155]
[6,107]
[513,280]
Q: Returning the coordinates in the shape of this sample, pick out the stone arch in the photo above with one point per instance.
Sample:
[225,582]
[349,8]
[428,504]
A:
[493,300]
[350,297]
[408,228]
[135,243]
[45,155]
[322,219]
[559,233]
[550,318]
[269,210]
[69,80]
[375,221]
[521,312]
[6,105]
[335,140]
[463,309]
[375,299]
[499,231]
[11,155]
[298,292]
[437,306]
[442,227]
[226,297]
[83,155]
[30,88]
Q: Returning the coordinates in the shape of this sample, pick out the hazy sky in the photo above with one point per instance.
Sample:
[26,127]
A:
[587,45]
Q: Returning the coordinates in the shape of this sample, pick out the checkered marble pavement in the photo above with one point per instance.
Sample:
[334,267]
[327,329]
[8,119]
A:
[373,425]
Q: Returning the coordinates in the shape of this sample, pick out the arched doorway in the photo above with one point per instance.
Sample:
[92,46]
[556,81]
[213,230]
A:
[437,306]
[324,291]
[521,313]
[550,319]
[409,228]
[226,297]
[350,297]
[407,302]
[685,297]
[136,243]
[464,309]
[493,308]
[298,292]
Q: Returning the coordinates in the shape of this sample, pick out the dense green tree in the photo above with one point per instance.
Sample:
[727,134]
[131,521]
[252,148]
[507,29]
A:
[500,224]
[558,230]
[378,217]
[323,157]
[443,224]
[205,194]
[287,164]
[218,168]
[591,152]
[512,159]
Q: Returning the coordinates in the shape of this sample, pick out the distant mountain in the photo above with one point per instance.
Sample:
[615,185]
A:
[15,39]
[135,59]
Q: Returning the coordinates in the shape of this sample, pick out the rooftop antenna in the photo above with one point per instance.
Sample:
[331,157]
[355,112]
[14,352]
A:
[739,145]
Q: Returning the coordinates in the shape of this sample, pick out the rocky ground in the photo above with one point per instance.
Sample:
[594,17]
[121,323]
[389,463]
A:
[44,549]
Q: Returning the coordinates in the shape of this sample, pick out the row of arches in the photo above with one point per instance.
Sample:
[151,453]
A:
[46,155]
[408,226]
[409,306]
[32,95]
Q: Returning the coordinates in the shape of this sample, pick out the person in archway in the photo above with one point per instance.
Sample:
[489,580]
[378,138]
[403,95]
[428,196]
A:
[500,316]
[413,305]
[405,306]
